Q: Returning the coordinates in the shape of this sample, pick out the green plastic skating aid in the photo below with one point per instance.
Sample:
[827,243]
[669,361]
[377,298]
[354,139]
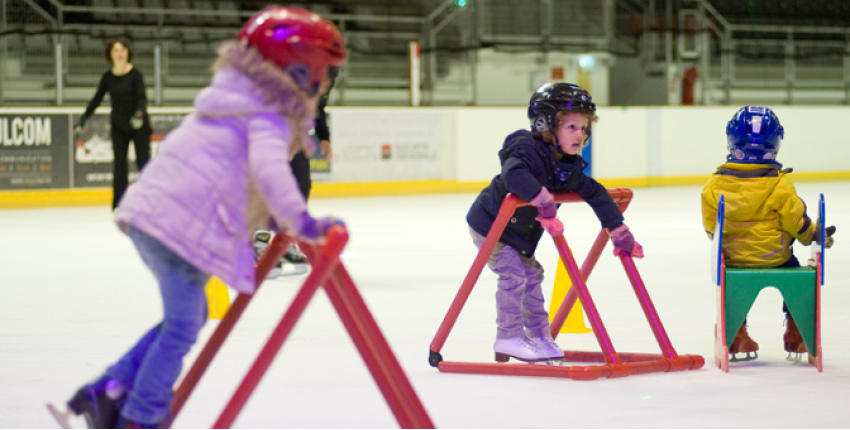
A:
[796,285]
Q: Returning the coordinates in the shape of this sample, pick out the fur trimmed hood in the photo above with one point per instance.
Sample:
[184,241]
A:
[267,88]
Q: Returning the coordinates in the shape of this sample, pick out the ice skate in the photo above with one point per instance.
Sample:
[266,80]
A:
[261,242]
[293,261]
[99,403]
[520,348]
[549,347]
[745,344]
[794,344]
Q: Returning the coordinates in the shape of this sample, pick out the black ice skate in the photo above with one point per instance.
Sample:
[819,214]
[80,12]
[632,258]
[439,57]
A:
[99,403]
[261,242]
[293,262]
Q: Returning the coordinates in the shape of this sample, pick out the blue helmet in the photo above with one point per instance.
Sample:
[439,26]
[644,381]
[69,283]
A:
[553,97]
[754,135]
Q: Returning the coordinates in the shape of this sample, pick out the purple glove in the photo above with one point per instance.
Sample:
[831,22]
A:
[622,239]
[544,201]
[314,229]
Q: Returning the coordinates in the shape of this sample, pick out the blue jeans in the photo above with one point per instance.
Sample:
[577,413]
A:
[149,370]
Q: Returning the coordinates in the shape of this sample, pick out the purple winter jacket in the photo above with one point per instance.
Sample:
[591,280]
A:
[194,195]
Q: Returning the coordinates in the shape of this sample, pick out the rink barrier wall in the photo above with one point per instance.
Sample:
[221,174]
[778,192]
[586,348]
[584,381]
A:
[103,196]
[409,151]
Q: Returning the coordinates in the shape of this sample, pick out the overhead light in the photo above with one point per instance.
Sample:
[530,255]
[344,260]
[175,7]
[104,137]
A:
[586,62]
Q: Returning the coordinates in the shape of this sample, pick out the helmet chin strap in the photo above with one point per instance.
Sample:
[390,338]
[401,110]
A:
[559,153]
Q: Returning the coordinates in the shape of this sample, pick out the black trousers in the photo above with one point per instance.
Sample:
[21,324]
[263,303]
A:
[120,145]
[301,169]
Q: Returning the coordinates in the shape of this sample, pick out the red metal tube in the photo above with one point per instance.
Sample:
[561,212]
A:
[697,361]
[592,314]
[505,213]
[269,258]
[642,367]
[598,357]
[321,270]
[586,269]
[648,307]
[621,197]
[376,352]
[582,373]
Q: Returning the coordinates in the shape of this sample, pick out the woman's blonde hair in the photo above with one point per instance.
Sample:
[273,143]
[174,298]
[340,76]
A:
[548,136]
[277,86]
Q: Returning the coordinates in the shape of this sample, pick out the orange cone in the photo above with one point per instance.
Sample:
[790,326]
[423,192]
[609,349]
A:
[218,300]
[575,319]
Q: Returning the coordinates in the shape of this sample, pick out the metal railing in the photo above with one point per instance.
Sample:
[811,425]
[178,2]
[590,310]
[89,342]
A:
[50,57]
[784,63]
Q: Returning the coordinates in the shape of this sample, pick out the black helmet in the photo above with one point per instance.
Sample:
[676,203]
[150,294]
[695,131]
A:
[553,97]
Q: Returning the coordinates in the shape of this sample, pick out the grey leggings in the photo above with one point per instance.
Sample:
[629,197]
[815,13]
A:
[519,299]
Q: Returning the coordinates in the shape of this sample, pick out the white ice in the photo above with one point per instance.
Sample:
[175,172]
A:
[76,296]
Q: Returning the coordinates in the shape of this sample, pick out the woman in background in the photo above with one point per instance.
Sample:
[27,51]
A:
[129,118]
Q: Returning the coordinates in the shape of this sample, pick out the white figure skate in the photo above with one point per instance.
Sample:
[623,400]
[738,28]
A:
[519,348]
[549,347]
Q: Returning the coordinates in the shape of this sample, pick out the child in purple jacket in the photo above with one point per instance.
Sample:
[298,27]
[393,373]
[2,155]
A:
[222,174]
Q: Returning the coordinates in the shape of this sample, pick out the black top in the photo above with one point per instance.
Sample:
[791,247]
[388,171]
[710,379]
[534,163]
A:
[322,130]
[127,93]
[528,165]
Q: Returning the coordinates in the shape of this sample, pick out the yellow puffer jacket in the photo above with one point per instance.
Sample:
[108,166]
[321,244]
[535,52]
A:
[763,214]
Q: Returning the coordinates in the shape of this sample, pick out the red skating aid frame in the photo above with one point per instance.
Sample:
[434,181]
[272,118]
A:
[615,364]
[328,272]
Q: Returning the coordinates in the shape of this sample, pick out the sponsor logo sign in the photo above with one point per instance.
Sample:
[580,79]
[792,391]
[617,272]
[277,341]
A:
[33,151]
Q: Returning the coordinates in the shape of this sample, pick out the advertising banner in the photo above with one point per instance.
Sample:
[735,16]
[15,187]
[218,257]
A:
[39,150]
[385,146]
[93,156]
[33,151]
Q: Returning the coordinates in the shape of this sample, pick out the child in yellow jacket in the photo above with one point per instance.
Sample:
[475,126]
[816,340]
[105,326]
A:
[764,215]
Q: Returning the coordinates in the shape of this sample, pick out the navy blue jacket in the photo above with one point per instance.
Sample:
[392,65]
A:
[528,165]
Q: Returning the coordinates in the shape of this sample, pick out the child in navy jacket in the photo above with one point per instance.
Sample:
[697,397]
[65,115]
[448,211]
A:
[536,164]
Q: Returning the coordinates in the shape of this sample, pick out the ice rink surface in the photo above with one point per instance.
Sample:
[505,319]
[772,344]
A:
[76,296]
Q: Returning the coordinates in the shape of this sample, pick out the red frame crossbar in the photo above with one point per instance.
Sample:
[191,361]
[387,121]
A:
[616,364]
[328,272]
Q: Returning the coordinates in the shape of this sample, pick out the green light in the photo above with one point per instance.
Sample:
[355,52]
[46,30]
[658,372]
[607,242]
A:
[460,3]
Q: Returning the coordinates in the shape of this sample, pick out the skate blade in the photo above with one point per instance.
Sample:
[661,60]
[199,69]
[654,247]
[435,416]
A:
[63,418]
[294,269]
[735,359]
[794,356]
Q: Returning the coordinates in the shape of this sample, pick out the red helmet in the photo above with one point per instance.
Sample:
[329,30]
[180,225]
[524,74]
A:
[299,41]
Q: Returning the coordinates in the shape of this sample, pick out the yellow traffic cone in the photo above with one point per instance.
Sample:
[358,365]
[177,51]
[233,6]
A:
[218,300]
[575,319]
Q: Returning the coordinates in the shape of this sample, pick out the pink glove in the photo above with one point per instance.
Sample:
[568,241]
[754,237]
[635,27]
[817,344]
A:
[552,225]
[622,239]
[544,201]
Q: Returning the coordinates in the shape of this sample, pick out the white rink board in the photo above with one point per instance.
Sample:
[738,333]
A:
[633,142]
[462,143]
[386,145]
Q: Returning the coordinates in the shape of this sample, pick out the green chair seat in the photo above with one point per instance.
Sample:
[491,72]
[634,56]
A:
[796,284]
